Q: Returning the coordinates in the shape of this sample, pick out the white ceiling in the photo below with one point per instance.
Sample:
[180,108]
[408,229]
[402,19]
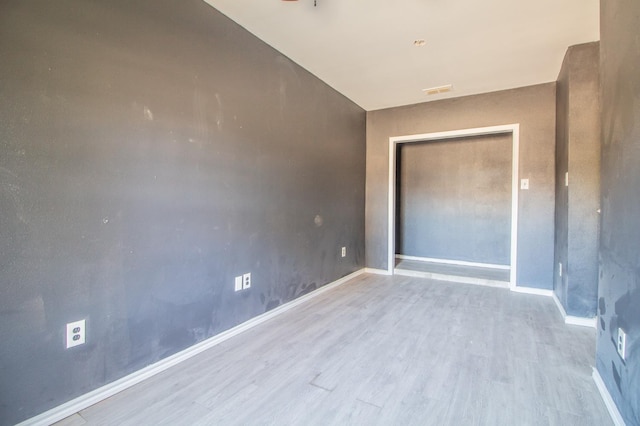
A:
[365,50]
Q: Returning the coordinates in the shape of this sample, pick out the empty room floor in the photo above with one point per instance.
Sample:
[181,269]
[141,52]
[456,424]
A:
[448,272]
[386,350]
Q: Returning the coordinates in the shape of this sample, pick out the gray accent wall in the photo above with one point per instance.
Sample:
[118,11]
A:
[534,109]
[151,151]
[578,153]
[454,199]
[619,253]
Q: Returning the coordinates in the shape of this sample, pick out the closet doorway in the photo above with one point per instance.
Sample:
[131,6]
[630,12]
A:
[453,205]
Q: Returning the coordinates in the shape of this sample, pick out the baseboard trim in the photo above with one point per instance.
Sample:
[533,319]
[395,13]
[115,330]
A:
[453,262]
[376,271]
[559,305]
[616,417]
[583,322]
[533,290]
[573,320]
[84,401]
[452,278]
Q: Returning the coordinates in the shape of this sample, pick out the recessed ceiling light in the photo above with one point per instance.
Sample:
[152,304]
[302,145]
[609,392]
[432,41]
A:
[419,42]
[439,89]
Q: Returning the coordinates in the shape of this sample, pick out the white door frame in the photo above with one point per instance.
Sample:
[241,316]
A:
[513,129]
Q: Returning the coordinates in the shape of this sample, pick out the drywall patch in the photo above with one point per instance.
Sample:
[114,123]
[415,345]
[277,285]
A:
[148,115]
[219,113]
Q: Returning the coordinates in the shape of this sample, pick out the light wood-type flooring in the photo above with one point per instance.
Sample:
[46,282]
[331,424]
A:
[382,350]
[448,272]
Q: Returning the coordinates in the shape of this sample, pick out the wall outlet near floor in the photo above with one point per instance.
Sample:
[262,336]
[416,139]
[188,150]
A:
[246,280]
[238,283]
[343,252]
[76,333]
[622,343]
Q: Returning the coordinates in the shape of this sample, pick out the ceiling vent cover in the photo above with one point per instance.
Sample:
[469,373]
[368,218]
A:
[439,89]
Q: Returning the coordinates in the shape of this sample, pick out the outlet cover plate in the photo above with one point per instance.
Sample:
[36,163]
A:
[246,280]
[622,343]
[76,333]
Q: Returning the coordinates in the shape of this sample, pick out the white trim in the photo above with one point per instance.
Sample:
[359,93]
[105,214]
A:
[452,278]
[391,205]
[581,321]
[532,290]
[559,305]
[514,129]
[376,271]
[572,320]
[453,262]
[515,161]
[80,403]
[616,417]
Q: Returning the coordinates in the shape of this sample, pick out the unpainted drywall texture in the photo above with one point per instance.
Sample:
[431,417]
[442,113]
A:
[533,108]
[151,151]
[578,153]
[619,253]
[454,199]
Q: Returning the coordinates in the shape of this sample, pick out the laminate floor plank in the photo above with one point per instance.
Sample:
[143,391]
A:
[453,270]
[381,350]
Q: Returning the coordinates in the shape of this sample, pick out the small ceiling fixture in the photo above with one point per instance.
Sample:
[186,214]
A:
[439,89]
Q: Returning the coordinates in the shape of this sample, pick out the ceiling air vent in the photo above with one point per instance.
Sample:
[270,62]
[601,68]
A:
[439,89]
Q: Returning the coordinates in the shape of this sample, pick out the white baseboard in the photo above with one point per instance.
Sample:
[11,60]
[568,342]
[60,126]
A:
[532,290]
[584,322]
[616,417]
[377,271]
[453,262]
[84,401]
[559,305]
[452,278]
[572,320]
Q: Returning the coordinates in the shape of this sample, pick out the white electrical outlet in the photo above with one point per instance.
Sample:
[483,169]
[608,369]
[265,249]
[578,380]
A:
[524,183]
[246,280]
[343,252]
[622,343]
[76,333]
[238,283]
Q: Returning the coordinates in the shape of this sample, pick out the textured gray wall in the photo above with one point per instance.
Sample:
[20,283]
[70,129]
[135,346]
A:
[534,108]
[150,151]
[619,284]
[562,191]
[578,152]
[454,199]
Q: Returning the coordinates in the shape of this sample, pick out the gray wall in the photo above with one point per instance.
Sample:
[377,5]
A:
[150,151]
[619,254]
[578,152]
[534,108]
[561,249]
[454,199]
